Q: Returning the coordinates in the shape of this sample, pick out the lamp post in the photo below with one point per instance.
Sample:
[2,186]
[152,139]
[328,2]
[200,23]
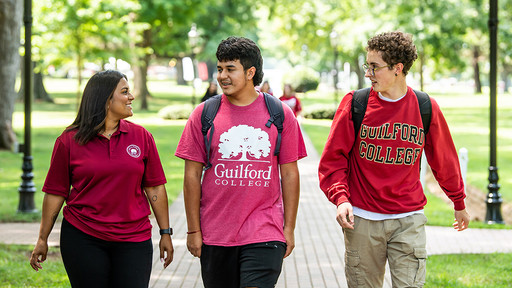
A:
[27,188]
[334,44]
[493,214]
[193,38]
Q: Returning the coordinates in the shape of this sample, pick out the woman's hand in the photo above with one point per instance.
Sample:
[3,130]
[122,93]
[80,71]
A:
[39,255]
[166,248]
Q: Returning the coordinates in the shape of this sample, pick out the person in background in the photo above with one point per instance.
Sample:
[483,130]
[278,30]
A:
[291,100]
[373,175]
[240,213]
[211,91]
[265,87]
[108,172]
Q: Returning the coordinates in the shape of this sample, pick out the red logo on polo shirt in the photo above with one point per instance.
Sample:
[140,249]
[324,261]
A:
[133,150]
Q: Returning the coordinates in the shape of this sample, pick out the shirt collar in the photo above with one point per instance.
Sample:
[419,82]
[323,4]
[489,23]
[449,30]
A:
[123,126]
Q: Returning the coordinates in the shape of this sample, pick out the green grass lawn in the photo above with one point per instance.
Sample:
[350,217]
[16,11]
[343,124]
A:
[15,270]
[469,271]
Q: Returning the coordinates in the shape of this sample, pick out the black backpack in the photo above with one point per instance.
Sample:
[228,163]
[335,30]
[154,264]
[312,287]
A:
[360,101]
[211,106]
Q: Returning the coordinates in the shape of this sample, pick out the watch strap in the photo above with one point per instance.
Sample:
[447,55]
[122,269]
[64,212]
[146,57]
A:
[166,231]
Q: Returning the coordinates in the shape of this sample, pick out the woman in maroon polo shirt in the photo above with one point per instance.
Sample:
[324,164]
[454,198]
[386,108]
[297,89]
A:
[105,168]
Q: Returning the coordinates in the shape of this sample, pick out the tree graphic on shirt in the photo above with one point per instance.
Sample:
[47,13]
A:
[246,140]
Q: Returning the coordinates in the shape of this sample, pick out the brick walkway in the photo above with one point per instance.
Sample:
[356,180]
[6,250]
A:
[318,258]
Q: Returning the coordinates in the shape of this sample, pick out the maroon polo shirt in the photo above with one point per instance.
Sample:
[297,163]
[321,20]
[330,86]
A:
[107,177]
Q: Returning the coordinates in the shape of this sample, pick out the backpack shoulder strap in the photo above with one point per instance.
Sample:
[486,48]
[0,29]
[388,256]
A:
[275,109]
[359,103]
[425,109]
[210,108]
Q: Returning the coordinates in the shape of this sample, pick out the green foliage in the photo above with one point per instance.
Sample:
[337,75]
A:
[83,30]
[302,79]
[319,111]
[445,32]
[217,20]
[175,112]
[469,270]
[170,22]
[15,270]
[298,29]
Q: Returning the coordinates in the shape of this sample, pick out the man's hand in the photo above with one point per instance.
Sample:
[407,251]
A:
[462,219]
[290,241]
[345,216]
[194,244]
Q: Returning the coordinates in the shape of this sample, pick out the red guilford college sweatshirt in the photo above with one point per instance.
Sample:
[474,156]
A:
[379,170]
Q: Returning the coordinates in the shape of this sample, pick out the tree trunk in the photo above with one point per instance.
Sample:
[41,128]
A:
[506,79]
[140,73]
[79,69]
[212,68]
[476,69]
[359,72]
[179,70]
[422,63]
[505,76]
[140,79]
[10,34]
[39,89]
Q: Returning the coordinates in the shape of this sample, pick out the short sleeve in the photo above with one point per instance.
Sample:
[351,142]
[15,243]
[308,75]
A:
[293,147]
[191,145]
[58,179]
[153,171]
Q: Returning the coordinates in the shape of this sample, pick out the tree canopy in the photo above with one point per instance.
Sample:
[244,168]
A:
[445,32]
[451,36]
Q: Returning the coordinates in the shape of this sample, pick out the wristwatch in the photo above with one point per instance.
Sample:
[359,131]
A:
[166,231]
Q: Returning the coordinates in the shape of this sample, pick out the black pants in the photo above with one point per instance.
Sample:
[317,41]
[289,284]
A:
[253,265]
[92,262]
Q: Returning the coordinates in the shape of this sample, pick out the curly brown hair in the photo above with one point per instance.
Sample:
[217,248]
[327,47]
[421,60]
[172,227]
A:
[395,47]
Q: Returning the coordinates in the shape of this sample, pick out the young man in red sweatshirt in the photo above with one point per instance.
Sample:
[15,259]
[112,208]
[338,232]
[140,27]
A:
[374,177]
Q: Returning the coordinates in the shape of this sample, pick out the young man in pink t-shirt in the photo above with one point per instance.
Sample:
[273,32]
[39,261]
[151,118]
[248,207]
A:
[241,213]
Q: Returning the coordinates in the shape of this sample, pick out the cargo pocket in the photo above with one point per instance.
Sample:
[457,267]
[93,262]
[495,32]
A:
[353,270]
[421,269]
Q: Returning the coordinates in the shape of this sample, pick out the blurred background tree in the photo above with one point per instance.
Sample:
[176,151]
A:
[76,38]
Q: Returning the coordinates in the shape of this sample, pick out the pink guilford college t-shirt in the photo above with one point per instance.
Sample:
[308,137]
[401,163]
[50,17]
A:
[241,201]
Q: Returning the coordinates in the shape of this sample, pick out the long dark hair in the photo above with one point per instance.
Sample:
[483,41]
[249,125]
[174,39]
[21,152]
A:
[94,105]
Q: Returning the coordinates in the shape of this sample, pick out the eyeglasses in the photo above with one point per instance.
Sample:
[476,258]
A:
[366,66]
